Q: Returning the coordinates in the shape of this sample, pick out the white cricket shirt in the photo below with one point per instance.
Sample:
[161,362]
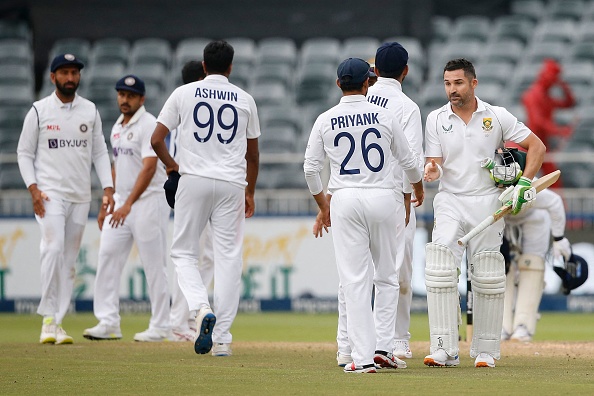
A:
[215,120]
[387,93]
[360,140]
[58,143]
[131,144]
[463,147]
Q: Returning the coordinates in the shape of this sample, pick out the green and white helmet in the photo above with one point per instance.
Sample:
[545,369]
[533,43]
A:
[506,167]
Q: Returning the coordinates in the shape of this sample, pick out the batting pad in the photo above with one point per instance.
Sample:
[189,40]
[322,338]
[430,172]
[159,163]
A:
[488,290]
[530,287]
[441,278]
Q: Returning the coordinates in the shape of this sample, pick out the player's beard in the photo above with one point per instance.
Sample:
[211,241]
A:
[67,91]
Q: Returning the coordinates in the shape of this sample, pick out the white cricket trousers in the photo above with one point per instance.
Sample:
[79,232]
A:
[367,228]
[198,200]
[147,226]
[405,281]
[62,229]
[181,320]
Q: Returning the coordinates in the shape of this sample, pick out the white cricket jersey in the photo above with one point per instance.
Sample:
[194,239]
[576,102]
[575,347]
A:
[360,140]
[131,144]
[549,201]
[58,143]
[387,93]
[462,147]
[215,120]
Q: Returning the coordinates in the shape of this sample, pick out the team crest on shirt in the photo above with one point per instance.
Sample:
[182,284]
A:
[116,136]
[83,128]
[487,125]
[130,136]
[448,129]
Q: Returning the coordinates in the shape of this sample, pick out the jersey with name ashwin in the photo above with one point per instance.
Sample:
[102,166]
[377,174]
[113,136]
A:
[387,93]
[57,146]
[131,144]
[360,140]
[215,119]
[463,147]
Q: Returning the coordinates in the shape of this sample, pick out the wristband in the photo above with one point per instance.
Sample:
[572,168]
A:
[557,239]
[524,181]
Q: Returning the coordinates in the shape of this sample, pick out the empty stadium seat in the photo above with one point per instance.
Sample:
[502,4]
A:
[274,50]
[15,30]
[281,116]
[108,76]
[523,77]
[190,49]
[16,96]
[505,49]
[241,75]
[512,27]
[109,51]
[314,82]
[321,49]
[578,73]
[150,50]
[565,9]
[360,47]
[280,72]
[150,73]
[585,31]
[532,9]
[245,50]
[16,75]
[9,140]
[15,52]
[539,51]
[581,51]
[494,72]
[441,27]
[471,27]
[555,30]
[278,140]
[492,93]
[10,177]
[471,50]
[79,47]
[270,93]
[432,96]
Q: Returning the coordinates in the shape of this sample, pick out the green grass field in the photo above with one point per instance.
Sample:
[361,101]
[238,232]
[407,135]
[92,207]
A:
[283,354]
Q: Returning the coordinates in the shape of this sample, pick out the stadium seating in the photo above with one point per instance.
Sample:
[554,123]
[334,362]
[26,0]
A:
[274,50]
[321,50]
[190,49]
[270,93]
[471,28]
[15,52]
[81,48]
[15,30]
[513,27]
[506,49]
[10,177]
[110,51]
[441,27]
[279,72]
[245,50]
[531,9]
[562,31]
[150,50]
[360,47]
[565,10]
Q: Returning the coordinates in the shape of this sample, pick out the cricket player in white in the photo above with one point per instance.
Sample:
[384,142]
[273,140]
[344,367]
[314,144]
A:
[218,163]
[391,68]
[528,235]
[367,214]
[183,324]
[458,136]
[62,135]
[141,216]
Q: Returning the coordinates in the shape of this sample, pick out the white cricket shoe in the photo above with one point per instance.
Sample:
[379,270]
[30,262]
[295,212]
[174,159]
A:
[61,336]
[153,335]
[521,334]
[220,349]
[103,332]
[384,359]
[484,360]
[402,349]
[343,359]
[368,368]
[505,335]
[440,358]
[205,322]
[180,335]
[48,331]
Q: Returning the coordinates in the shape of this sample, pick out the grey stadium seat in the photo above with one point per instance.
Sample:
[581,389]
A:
[441,27]
[281,116]
[314,82]
[245,50]
[280,72]
[15,30]
[504,50]
[277,50]
[532,9]
[471,27]
[10,177]
[494,72]
[585,31]
[321,49]
[581,51]
[15,52]
[151,73]
[150,50]
[492,93]
[241,75]
[360,47]
[270,93]
[16,75]
[552,31]
[100,76]
[278,140]
[432,96]
[512,27]
[110,51]
[190,49]
[566,9]
[578,73]
[539,51]
[16,96]
[81,48]
[9,140]
[523,77]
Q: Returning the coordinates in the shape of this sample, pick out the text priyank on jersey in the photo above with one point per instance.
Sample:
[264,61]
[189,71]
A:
[207,93]
[349,120]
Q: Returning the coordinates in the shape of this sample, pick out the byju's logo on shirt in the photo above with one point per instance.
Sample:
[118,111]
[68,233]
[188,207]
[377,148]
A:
[68,143]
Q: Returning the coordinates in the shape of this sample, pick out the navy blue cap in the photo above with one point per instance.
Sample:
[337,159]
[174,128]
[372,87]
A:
[372,71]
[391,57]
[130,83]
[65,60]
[353,71]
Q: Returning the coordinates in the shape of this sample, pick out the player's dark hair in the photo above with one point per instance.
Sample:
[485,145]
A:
[348,87]
[461,63]
[218,56]
[395,74]
[192,71]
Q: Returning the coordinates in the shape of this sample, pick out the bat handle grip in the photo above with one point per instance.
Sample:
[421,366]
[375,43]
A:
[476,230]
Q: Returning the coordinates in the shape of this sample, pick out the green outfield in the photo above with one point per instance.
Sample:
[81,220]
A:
[283,354]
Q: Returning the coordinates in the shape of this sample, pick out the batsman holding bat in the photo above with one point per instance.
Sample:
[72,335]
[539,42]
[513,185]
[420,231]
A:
[458,137]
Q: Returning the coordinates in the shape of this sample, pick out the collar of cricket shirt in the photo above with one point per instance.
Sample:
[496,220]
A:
[141,110]
[68,105]
[480,106]
[389,81]
[353,98]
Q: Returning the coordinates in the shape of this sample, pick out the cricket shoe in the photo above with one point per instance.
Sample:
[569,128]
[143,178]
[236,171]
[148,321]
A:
[367,368]
[103,332]
[343,359]
[180,335]
[153,335]
[220,349]
[505,335]
[383,359]
[402,350]
[521,334]
[61,336]
[48,331]
[440,358]
[205,322]
[484,360]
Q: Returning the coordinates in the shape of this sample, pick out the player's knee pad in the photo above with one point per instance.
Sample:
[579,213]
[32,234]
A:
[488,289]
[441,278]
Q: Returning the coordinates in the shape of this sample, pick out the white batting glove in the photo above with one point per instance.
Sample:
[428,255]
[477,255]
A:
[524,195]
[562,247]
[506,195]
